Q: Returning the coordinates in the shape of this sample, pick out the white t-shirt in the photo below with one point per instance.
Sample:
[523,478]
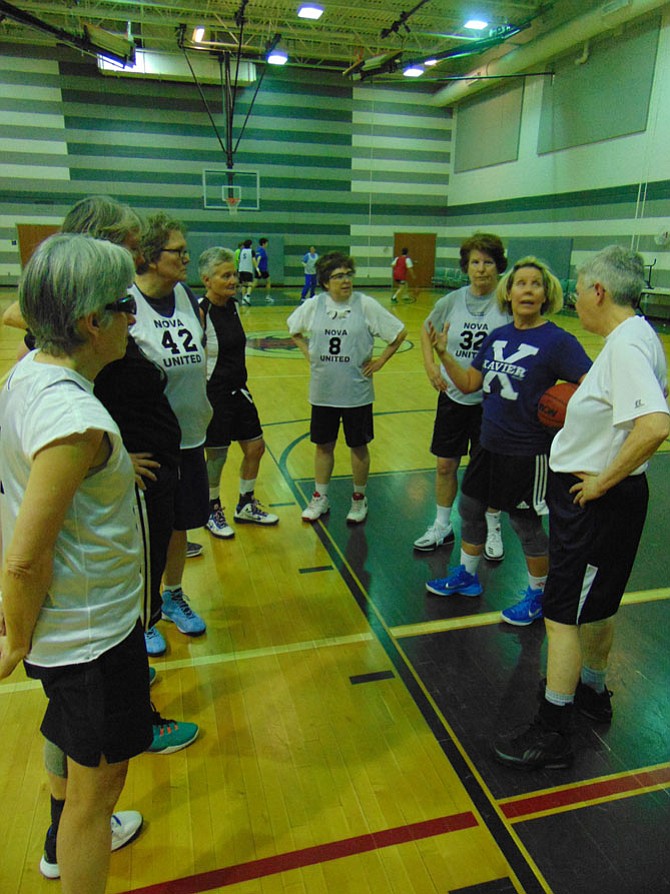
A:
[341,337]
[93,600]
[627,380]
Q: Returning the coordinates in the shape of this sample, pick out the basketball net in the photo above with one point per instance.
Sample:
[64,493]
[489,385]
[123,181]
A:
[233,203]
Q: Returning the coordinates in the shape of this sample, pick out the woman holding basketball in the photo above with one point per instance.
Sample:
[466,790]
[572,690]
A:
[514,366]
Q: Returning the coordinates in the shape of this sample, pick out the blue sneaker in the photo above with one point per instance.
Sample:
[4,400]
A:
[457,581]
[177,610]
[525,612]
[152,676]
[153,640]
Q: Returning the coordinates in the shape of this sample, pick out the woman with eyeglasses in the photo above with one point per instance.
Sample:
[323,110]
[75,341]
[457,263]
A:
[341,325]
[168,330]
[71,576]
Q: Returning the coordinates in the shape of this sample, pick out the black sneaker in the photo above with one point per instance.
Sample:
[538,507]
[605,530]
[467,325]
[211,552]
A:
[594,705]
[537,746]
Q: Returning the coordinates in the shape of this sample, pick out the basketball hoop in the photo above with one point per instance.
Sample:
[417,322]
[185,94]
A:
[233,203]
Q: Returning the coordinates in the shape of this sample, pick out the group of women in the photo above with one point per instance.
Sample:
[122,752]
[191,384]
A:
[96,484]
[507,369]
[84,465]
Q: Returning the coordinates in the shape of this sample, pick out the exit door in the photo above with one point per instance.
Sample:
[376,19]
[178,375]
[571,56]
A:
[422,252]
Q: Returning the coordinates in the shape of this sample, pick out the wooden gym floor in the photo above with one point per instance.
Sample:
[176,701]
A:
[345,716]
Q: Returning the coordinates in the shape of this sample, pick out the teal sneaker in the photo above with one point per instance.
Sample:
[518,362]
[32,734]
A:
[171,735]
[526,611]
[177,610]
[457,581]
[154,642]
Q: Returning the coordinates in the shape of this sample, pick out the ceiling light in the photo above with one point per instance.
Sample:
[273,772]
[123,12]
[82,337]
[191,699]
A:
[414,71]
[277,57]
[198,33]
[310,11]
[430,62]
[476,24]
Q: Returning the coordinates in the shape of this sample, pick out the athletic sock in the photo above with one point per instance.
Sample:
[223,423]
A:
[321,489]
[443,516]
[360,489]
[471,563]
[558,698]
[56,812]
[213,496]
[492,520]
[537,583]
[594,678]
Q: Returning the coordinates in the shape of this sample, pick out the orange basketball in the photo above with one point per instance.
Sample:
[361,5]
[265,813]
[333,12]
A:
[553,404]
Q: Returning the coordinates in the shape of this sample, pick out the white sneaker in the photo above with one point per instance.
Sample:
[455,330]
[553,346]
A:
[435,536]
[359,510]
[126,825]
[494,550]
[217,524]
[317,507]
[254,513]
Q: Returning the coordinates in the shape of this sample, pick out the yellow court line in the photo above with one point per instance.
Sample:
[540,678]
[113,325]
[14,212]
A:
[225,658]
[589,802]
[425,628]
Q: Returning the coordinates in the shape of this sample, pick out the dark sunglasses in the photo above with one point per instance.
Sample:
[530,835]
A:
[126,305]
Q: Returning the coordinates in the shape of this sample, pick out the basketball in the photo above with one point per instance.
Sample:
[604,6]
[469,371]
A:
[553,404]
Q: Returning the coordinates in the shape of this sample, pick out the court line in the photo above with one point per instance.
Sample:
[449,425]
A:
[311,856]
[585,794]
[485,619]
[228,657]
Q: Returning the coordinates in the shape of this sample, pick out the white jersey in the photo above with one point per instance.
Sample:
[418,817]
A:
[93,599]
[470,320]
[246,261]
[341,339]
[176,344]
[627,380]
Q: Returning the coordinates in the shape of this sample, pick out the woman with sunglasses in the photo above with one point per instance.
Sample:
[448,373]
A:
[71,578]
[342,325]
[168,330]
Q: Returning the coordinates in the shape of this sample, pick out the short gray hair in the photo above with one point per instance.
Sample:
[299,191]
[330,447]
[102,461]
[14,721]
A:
[212,257]
[103,218]
[620,270]
[69,276]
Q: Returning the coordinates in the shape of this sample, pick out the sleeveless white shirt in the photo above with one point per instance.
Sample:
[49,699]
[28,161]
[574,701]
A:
[177,345]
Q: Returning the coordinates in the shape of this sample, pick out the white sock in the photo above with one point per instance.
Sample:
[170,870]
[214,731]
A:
[321,489]
[536,583]
[247,486]
[443,516]
[471,563]
[360,489]
[213,494]
[492,520]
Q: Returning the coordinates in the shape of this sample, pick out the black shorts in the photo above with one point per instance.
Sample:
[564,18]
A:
[101,707]
[511,483]
[592,549]
[235,418]
[156,514]
[191,505]
[357,423]
[456,428]
[263,274]
[243,276]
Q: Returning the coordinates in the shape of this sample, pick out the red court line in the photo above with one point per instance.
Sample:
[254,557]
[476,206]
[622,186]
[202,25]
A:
[321,853]
[588,791]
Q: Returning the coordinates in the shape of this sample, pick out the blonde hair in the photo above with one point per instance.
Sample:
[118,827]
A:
[553,293]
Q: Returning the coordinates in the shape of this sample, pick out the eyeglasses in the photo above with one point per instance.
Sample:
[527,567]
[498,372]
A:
[341,276]
[126,305]
[182,252]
